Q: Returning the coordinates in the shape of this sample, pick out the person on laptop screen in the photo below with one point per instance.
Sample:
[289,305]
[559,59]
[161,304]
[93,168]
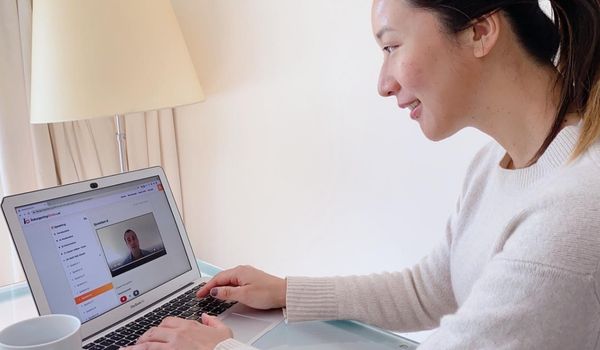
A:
[133,243]
[519,264]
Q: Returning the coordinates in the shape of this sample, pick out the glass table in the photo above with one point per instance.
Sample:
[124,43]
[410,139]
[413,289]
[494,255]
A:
[17,304]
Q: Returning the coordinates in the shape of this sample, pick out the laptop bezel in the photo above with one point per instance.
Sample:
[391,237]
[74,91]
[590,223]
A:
[121,312]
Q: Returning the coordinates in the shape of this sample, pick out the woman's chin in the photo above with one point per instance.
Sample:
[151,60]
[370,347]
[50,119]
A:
[434,132]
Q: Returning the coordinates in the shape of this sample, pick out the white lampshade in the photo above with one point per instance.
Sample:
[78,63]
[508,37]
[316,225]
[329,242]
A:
[97,58]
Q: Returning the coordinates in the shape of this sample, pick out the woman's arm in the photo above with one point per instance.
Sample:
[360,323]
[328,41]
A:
[413,299]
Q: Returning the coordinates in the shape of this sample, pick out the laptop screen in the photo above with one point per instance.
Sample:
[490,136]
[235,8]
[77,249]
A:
[99,249]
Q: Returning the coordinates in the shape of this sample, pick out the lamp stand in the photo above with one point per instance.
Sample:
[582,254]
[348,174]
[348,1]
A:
[119,121]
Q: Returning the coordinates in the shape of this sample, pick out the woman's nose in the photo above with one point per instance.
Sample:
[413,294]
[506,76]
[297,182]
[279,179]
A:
[387,86]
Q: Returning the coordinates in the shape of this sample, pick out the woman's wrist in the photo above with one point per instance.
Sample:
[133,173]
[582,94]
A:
[281,298]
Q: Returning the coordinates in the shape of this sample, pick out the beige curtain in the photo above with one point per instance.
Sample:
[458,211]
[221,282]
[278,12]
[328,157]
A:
[38,156]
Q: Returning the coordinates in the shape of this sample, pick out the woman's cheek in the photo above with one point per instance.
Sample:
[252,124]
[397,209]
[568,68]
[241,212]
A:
[412,76]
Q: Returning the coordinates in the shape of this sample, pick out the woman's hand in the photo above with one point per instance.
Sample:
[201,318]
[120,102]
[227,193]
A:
[180,334]
[247,285]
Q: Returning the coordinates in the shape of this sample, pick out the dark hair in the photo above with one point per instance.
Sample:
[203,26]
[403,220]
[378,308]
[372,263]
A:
[575,31]
[129,230]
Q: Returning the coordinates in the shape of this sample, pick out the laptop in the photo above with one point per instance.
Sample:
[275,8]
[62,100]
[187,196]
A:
[114,252]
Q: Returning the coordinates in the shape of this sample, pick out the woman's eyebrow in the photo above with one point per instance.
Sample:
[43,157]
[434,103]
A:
[382,31]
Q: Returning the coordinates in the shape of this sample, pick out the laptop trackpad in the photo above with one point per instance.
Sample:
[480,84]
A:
[246,328]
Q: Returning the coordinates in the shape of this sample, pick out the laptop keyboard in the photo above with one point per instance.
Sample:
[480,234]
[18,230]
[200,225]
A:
[185,306]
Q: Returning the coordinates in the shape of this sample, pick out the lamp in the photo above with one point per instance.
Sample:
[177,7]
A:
[97,58]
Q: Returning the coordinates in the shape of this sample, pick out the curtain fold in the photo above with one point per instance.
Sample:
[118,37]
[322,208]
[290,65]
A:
[150,142]
[44,155]
[18,170]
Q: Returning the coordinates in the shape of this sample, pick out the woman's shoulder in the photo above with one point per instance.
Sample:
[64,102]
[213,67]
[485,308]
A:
[591,157]
[486,158]
[577,181]
[559,223]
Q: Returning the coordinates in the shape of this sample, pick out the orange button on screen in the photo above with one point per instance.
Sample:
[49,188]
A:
[93,293]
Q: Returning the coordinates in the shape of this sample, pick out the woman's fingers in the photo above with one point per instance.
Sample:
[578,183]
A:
[213,322]
[148,346]
[247,285]
[158,335]
[229,293]
[224,278]
[176,322]
[181,334]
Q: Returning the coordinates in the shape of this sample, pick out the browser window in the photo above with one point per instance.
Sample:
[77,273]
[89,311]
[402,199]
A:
[100,249]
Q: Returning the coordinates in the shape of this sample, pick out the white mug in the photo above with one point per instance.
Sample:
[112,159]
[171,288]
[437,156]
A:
[49,332]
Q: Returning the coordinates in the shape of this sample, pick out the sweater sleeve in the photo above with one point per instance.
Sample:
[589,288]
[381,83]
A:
[540,290]
[523,305]
[413,299]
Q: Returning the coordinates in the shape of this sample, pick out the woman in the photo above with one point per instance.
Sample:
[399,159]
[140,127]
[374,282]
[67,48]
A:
[519,265]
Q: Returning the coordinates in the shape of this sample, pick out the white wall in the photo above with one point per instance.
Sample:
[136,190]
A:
[294,163]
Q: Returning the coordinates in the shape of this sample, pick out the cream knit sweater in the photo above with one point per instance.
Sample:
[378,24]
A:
[518,267]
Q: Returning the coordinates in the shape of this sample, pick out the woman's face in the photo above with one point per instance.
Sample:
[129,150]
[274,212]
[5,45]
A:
[424,67]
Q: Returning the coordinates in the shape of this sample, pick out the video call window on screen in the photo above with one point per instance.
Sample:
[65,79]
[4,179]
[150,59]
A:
[131,243]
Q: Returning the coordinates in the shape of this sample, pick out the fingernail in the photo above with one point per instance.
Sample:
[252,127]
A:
[214,292]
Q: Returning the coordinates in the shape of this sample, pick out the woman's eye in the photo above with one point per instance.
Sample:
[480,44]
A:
[390,48]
